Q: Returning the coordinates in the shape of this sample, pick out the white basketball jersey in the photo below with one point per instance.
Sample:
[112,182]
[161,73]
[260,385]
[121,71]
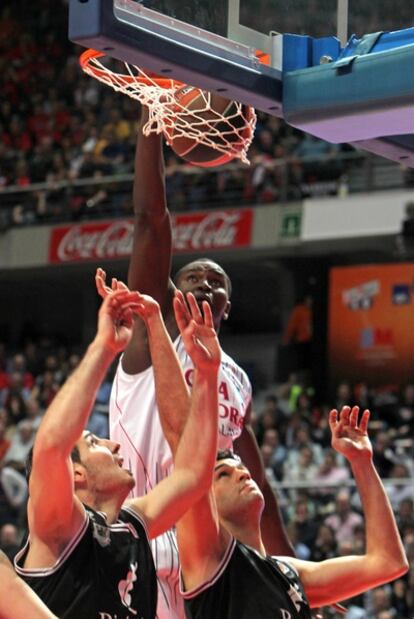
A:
[135,424]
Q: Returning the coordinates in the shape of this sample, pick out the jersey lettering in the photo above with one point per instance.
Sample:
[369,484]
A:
[285,614]
[224,391]
[223,388]
[231,413]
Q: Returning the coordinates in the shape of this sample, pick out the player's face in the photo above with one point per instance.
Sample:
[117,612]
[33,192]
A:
[103,464]
[234,489]
[208,282]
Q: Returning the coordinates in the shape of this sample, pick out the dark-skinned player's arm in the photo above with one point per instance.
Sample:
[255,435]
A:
[384,558]
[150,261]
[274,534]
[17,600]
[54,513]
[195,453]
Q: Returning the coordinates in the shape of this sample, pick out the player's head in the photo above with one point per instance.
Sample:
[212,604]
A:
[97,468]
[99,472]
[209,282]
[238,497]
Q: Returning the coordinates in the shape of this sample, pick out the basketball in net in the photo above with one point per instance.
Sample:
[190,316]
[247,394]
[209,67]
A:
[208,130]
[201,127]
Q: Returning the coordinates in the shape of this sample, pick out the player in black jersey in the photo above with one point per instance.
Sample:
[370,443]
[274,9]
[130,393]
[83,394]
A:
[226,572]
[88,555]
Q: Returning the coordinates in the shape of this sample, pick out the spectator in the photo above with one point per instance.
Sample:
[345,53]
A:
[13,494]
[9,540]
[330,472]
[344,519]
[384,456]
[325,546]
[21,444]
[400,491]
[298,333]
[302,439]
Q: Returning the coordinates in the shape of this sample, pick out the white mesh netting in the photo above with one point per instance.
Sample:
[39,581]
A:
[230,135]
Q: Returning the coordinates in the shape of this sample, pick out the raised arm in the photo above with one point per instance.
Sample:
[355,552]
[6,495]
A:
[384,559]
[150,264]
[196,450]
[54,512]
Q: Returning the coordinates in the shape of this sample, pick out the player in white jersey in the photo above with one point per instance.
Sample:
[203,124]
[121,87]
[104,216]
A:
[134,421]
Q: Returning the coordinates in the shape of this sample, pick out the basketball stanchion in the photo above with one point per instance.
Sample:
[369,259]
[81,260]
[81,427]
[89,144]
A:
[202,127]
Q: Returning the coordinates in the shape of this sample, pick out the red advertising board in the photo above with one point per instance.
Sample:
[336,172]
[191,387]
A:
[109,240]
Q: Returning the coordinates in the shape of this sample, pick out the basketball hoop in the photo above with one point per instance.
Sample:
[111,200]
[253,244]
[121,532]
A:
[166,113]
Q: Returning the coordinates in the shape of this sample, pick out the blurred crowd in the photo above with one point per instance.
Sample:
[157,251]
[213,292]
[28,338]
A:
[313,484]
[60,126]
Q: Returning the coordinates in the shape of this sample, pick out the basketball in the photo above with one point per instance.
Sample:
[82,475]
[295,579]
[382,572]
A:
[211,114]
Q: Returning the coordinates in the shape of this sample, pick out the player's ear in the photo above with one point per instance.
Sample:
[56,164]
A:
[227,310]
[79,475]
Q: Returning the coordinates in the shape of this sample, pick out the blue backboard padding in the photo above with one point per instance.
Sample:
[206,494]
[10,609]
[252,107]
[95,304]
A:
[375,83]
[325,46]
[300,52]
[156,48]
[297,52]
[385,41]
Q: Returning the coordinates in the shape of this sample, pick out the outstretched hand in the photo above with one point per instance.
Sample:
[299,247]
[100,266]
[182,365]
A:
[115,319]
[350,436]
[197,330]
[146,306]
[102,287]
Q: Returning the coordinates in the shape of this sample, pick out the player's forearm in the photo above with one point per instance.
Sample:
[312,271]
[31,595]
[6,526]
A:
[383,542]
[197,447]
[69,411]
[17,600]
[173,396]
[149,184]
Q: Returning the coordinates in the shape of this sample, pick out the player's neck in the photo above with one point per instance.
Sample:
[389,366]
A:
[248,533]
[109,505]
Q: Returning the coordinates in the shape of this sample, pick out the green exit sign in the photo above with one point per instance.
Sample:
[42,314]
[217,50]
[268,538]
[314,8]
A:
[291,223]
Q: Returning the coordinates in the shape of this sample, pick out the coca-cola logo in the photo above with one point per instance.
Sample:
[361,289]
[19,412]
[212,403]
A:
[195,232]
[213,231]
[115,241]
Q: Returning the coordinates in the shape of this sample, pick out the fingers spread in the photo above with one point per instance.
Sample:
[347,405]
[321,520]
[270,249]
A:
[363,424]
[344,416]
[208,316]
[195,310]
[333,418]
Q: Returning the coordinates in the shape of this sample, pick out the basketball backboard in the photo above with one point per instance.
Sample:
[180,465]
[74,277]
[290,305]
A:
[268,54]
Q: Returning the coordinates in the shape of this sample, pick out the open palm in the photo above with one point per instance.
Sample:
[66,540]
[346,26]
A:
[197,330]
[350,436]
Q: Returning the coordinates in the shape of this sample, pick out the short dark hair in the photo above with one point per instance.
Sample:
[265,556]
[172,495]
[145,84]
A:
[226,277]
[224,454]
[74,456]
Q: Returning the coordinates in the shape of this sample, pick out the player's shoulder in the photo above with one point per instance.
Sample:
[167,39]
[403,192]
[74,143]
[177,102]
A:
[229,365]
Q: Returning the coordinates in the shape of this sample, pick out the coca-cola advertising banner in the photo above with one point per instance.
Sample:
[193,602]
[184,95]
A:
[111,240]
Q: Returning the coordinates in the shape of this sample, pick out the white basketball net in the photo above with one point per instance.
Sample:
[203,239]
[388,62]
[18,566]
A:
[166,115]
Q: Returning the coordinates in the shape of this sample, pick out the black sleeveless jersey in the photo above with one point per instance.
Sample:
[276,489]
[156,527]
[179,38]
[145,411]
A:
[106,572]
[248,586]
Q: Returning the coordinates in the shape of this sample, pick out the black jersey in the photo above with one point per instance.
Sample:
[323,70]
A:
[105,572]
[248,586]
